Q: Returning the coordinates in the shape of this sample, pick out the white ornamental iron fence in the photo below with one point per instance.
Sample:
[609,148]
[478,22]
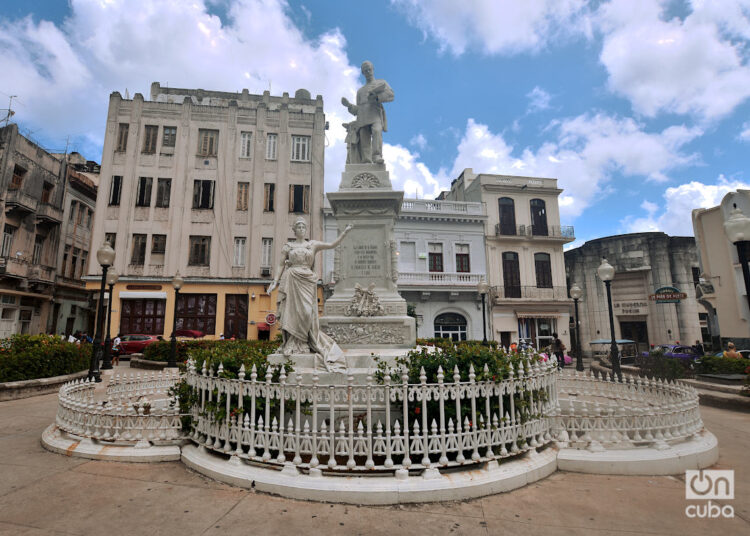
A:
[384,427]
[135,409]
[602,414]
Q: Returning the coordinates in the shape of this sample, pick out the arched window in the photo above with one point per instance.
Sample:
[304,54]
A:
[511,275]
[450,326]
[538,218]
[543,268]
[507,210]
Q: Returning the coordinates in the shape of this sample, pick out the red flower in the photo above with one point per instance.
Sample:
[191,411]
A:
[417,410]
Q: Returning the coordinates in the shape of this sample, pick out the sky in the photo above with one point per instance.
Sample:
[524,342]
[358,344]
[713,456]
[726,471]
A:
[640,108]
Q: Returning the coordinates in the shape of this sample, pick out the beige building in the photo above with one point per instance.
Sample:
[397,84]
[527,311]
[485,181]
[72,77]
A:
[722,288]
[524,250]
[207,183]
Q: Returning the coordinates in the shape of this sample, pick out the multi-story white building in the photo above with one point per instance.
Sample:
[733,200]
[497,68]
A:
[206,183]
[441,261]
[525,263]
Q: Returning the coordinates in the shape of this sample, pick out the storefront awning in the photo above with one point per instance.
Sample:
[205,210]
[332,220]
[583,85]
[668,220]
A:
[262,326]
[130,294]
[540,314]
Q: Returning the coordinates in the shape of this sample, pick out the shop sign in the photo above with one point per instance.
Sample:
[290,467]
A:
[143,287]
[667,295]
[630,307]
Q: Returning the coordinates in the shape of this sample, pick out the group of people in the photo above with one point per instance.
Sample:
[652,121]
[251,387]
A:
[557,348]
[77,337]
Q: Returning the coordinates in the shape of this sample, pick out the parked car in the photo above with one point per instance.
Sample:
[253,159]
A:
[189,333]
[135,343]
[677,351]
[743,353]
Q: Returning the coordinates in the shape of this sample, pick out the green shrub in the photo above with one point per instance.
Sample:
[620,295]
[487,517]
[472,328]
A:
[722,365]
[28,357]
[656,366]
[159,351]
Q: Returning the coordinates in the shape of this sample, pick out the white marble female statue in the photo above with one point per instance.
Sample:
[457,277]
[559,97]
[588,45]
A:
[297,300]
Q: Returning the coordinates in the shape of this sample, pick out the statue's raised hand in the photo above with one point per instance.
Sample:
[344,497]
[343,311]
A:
[348,228]
[345,102]
[272,286]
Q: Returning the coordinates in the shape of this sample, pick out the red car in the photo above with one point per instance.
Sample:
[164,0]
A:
[135,344]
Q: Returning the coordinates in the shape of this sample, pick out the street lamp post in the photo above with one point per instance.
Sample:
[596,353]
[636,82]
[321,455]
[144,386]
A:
[482,288]
[112,278]
[105,255]
[607,274]
[737,227]
[177,282]
[576,293]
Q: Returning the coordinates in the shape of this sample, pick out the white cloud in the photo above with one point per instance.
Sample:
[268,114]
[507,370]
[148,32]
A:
[696,65]
[496,26]
[419,141]
[745,134]
[63,75]
[538,100]
[674,216]
[407,173]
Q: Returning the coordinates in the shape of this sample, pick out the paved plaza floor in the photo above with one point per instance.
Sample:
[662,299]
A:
[43,493]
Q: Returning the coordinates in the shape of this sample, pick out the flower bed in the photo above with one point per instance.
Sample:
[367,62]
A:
[29,357]
[208,349]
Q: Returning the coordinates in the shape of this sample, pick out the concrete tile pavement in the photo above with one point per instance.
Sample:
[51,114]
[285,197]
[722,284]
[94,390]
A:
[45,493]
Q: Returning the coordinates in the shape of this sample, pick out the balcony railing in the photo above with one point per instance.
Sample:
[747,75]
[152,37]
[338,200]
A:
[14,267]
[564,232]
[49,213]
[18,199]
[440,278]
[442,207]
[530,293]
[42,273]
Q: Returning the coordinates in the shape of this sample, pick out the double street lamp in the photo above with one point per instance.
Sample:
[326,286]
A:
[112,278]
[106,257]
[482,288]
[177,282]
[607,274]
[737,227]
[576,293]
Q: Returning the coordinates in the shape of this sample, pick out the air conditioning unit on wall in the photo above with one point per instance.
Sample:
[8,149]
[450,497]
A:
[265,272]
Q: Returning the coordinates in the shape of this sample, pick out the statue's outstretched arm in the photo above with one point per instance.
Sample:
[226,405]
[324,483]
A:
[279,272]
[353,109]
[324,245]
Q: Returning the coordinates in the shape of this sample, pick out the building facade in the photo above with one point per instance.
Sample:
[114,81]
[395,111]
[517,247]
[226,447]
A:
[73,307]
[524,249]
[653,291]
[441,259]
[206,183]
[722,288]
[32,190]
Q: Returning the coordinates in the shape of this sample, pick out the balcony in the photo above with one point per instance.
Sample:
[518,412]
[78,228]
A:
[12,267]
[48,214]
[566,233]
[20,201]
[439,279]
[529,293]
[448,208]
[41,274]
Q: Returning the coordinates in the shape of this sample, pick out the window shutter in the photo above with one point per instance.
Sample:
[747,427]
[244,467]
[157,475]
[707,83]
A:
[291,198]
[211,194]
[306,200]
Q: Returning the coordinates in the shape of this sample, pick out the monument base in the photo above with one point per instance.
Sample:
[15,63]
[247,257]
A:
[371,332]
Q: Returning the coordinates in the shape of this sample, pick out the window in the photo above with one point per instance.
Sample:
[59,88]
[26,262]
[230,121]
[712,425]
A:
[163,192]
[203,194]
[507,212]
[450,326]
[246,148]
[122,138]
[197,312]
[266,254]
[47,192]
[158,244]
[407,257]
[142,316]
[301,148]
[19,174]
[38,245]
[74,263]
[243,189]
[8,232]
[111,238]
[84,258]
[538,218]
[299,198]
[66,254]
[208,142]
[543,268]
[462,258]
[271,146]
[139,250]
[89,215]
[72,216]
[435,252]
[200,250]
[150,134]
[511,275]
[239,251]
[81,212]
[696,274]
[143,194]
[115,189]
[269,189]
[170,136]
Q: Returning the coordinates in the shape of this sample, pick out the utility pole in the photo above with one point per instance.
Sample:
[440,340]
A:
[10,111]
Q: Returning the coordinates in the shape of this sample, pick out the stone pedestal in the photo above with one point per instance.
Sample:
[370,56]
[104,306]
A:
[366,310]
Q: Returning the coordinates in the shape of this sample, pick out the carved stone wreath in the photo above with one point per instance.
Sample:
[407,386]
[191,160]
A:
[365,180]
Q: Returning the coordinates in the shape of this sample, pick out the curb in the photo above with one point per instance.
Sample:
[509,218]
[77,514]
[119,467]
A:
[36,387]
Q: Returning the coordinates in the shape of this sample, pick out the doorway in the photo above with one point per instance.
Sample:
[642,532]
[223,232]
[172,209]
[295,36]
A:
[636,331]
[235,316]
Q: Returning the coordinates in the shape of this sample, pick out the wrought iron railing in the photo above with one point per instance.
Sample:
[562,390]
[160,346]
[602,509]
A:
[535,231]
[530,292]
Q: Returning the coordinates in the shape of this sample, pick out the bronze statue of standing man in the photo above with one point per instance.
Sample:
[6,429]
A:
[365,135]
